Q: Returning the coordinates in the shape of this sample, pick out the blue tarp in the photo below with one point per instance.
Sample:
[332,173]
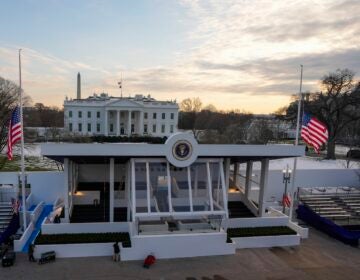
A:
[12,228]
[349,237]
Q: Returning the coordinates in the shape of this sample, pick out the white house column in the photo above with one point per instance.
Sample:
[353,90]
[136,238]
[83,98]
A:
[249,167]
[66,189]
[106,123]
[235,177]
[111,185]
[263,186]
[129,123]
[117,122]
[141,123]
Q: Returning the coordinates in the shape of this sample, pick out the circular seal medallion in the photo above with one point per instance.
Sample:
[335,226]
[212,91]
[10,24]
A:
[182,150]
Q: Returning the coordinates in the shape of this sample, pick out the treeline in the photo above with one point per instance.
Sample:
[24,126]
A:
[43,116]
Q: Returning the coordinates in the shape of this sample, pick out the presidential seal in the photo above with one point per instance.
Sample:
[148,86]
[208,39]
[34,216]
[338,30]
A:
[182,150]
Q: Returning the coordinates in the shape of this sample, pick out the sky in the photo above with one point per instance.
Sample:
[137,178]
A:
[243,54]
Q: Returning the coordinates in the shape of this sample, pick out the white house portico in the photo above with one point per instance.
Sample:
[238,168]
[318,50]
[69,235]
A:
[114,116]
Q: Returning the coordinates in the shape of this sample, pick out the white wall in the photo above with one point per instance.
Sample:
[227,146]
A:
[46,186]
[84,228]
[177,246]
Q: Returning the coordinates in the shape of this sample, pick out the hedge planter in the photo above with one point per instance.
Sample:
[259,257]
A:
[81,238]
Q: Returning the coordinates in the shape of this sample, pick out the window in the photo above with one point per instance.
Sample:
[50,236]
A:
[154,116]
[98,127]
[163,128]
[163,116]
[80,127]
[70,114]
[145,116]
[89,114]
[145,128]
[111,127]
[98,115]
[171,128]
[133,115]
[132,128]
[154,128]
[89,127]
[70,127]
[80,114]
[172,116]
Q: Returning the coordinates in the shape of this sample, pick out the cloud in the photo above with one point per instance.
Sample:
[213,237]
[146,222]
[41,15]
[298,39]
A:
[239,53]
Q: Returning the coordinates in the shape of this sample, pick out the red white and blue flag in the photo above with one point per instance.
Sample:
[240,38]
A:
[286,201]
[14,133]
[314,132]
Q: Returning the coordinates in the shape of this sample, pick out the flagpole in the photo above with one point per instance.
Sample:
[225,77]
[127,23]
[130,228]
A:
[22,149]
[296,144]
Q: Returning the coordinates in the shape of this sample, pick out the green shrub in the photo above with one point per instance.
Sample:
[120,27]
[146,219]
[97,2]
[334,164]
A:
[259,231]
[80,238]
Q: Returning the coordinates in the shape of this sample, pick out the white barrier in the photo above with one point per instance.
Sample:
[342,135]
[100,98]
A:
[266,241]
[178,246]
[19,244]
[63,228]
[303,232]
[256,222]
[34,216]
[29,201]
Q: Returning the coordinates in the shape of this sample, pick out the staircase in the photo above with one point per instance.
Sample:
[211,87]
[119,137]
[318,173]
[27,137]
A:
[6,213]
[237,209]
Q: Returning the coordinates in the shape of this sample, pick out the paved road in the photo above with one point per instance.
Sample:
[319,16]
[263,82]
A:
[319,257]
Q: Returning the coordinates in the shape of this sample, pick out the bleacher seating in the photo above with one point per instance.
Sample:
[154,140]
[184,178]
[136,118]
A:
[343,207]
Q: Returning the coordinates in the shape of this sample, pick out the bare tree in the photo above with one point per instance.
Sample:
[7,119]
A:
[192,108]
[338,105]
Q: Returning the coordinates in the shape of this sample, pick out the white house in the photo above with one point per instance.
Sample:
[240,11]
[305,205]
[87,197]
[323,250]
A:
[114,116]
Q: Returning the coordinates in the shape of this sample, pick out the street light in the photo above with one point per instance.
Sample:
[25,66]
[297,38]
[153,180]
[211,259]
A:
[286,179]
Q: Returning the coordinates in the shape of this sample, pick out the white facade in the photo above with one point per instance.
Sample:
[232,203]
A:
[115,116]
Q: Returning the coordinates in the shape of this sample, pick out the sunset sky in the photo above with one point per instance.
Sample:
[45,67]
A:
[243,54]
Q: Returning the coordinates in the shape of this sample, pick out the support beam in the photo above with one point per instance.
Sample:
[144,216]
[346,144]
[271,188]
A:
[249,168]
[148,187]
[169,185]
[263,186]
[227,174]
[224,189]
[133,202]
[66,190]
[128,191]
[209,183]
[111,185]
[235,175]
[190,189]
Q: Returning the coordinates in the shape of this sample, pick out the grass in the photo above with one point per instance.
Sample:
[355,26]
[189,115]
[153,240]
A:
[31,164]
[259,231]
[81,238]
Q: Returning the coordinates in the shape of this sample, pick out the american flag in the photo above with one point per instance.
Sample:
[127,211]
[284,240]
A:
[313,132]
[14,133]
[286,201]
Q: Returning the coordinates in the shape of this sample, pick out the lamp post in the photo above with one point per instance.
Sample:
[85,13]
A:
[286,180]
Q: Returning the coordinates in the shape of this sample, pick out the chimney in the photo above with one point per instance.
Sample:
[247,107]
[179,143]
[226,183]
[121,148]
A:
[78,95]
